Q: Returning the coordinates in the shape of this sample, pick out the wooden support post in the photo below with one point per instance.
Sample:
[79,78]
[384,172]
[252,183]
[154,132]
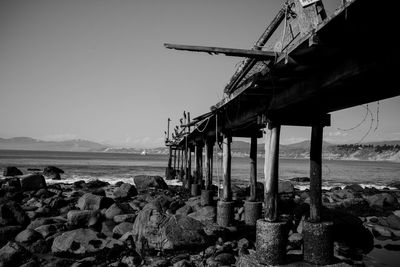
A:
[170,158]
[315,173]
[253,169]
[199,162]
[179,159]
[174,159]
[271,171]
[226,162]
[182,163]
[209,164]
[189,169]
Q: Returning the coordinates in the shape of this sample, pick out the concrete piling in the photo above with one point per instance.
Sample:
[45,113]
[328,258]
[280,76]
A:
[252,212]
[224,213]
[318,242]
[206,197]
[271,240]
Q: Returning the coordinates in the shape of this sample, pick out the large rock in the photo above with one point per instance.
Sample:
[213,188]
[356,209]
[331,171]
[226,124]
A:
[381,201]
[11,184]
[83,218]
[82,241]
[52,172]
[13,254]
[118,209]
[125,190]
[28,236]
[12,214]
[32,182]
[93,202]
[8,233]
[143,182]
[205,215]
[166,232]
[285,187]
[354,187]
[12,171]
[122,228]
[393,222]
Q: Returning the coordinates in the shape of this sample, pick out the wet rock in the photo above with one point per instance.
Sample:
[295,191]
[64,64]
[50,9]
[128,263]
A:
[82,241]
[107,228]
[381,201]
[52,172]
[162,231]
[354,188]
[185,210]
[393,222]
[79,184]
[143,182]
[12,214]
[131,261]
[8,233]
[118,209]
[122,228]
[300,179]
[125,190]
[42,221]
[285,187]
[83,218]
[225,259]
[32,182]
[183,263]
[205,215]
[12,184]
[28,236]
[295,240]
[379,230]
[99,192]
[96,184]
[125,218]
[48,229]
[13,254]
[392,247]
[11,171]
[93,202]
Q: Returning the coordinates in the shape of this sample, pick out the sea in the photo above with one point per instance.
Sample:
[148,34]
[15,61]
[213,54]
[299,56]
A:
[114,167]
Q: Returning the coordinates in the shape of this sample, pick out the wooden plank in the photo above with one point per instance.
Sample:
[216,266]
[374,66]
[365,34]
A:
[253,169]
[226,165]
[249,64]
[271,170]
[316,173]
[199,162]
[232,52]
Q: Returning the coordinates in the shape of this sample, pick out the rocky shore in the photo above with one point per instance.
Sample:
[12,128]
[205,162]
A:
[148,223]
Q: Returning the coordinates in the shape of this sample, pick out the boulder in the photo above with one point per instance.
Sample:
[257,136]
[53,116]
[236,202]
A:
[8,233]
[125,190]
[354,187]
[93,202]
[83,218]
[28,236]
[225,259]
[166,232]
[13,254]
[48,229]
[12,171]
[52,172]
[95,184]
[32,182]
[82,241]
[11,184]
[125,218]
[118,209]
[285,187]
[122,228]
[185,210]
[300,179]
[381,201]
[205,215]
[393,221]
[12,214]
[143,182]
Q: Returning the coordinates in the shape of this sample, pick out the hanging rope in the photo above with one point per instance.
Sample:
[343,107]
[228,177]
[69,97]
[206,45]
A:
[377,116]
[205,127]
[360,123]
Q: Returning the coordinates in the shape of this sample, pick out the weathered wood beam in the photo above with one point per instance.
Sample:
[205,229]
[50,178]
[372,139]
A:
[271,172]
[226,165]
[199,162]
[316,173]
[253,168]
[209,164]
[233,52]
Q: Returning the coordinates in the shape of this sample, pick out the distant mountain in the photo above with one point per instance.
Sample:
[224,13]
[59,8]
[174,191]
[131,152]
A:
[27,143]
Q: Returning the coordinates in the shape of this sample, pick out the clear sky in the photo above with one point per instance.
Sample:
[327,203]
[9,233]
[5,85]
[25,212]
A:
[97,69]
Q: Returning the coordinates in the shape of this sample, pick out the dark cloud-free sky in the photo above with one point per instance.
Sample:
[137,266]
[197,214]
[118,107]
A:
[97,69]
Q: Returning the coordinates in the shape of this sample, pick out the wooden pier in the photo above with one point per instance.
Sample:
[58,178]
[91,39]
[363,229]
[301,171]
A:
[321,65]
